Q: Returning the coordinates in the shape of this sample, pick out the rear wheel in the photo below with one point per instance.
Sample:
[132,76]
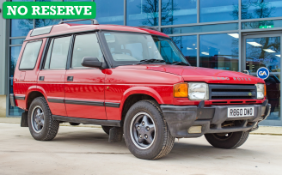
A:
[106,129]
[146,132]
[40,121]
[227,140]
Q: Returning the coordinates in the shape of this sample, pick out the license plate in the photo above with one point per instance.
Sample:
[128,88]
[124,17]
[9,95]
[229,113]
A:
[240,112]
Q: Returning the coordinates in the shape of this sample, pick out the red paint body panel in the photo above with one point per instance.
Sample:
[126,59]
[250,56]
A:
[54,87]
[115,85]
[87,85]
[123,81]
[25,81]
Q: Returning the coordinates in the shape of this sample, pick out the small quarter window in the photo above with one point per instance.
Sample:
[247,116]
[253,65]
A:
[59,54]
[85,46]
[30,55]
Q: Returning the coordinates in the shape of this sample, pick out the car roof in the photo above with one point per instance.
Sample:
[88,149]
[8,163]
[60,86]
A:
[68,28]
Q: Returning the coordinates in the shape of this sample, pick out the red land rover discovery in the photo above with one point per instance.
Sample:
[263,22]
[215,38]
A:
[134,82]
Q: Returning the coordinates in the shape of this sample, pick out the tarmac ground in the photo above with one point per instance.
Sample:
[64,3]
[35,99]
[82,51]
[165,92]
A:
[85,150]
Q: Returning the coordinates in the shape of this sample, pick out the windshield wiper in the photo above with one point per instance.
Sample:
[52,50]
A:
[151,61]
[179,63]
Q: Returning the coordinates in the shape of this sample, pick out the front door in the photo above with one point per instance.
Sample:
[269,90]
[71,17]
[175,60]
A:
[85,87]
[265,51]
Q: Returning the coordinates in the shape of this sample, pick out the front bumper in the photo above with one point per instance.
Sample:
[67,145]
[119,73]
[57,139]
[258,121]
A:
[210,119]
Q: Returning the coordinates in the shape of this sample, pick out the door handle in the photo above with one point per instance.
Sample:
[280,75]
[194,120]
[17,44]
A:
[70,78]
[41,78]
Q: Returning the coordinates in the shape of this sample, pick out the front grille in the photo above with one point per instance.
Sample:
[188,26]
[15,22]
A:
[223,91]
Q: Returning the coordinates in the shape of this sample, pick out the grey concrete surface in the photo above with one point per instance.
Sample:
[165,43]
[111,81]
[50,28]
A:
[85,150]
[263,130]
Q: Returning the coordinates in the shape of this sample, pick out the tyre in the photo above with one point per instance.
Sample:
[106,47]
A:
[146,132]
[74,124]
[227,140]
[106,129]
[40,121]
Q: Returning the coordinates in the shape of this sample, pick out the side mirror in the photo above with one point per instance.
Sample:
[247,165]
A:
[91,62]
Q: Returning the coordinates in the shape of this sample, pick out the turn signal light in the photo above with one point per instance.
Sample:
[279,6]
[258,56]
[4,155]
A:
[180,90]
[265,90]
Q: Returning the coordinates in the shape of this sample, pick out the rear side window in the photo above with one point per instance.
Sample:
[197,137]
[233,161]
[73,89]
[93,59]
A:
[57,53]
[30,55]
[85,46]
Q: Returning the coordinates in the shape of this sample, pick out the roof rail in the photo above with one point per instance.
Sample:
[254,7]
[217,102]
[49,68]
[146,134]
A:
[94,21]
[149,27]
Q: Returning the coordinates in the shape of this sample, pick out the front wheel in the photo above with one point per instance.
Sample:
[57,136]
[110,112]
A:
[146,132]
[227,140]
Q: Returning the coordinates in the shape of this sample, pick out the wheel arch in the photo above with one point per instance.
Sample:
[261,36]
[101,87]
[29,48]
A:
[135,94]
[31,96]
[131,100]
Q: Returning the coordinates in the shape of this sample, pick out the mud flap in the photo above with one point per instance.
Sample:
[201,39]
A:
[115,134]
[24,122]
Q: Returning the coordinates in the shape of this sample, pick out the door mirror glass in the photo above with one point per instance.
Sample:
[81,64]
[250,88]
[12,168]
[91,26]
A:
[91,62]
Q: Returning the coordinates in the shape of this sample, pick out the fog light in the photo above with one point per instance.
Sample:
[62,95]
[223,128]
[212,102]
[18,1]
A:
[195,130]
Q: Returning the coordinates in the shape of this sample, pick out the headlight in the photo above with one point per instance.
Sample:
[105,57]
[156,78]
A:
[198,91]
[261,91]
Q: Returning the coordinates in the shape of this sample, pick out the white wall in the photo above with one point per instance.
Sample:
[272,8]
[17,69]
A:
[3,52]
[2,105]
[3,61]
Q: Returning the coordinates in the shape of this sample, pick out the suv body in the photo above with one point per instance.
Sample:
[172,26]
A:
[151,101]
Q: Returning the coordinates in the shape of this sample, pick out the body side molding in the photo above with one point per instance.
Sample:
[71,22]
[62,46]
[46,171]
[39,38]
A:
[80,102]
[88,121]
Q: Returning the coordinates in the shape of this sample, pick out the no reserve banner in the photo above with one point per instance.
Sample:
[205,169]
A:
[49,10]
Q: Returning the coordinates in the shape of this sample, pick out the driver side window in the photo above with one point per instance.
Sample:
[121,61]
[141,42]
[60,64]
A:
[85,46]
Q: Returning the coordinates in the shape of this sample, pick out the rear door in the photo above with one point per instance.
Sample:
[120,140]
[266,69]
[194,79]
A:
[85,87]
[51,79]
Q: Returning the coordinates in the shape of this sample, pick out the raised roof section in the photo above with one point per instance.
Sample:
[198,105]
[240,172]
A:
[68,28]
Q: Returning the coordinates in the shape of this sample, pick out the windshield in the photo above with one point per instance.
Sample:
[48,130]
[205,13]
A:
[130,48]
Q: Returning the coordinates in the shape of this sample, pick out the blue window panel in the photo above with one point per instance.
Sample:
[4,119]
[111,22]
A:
[78,22]
[48,0]
[202,28]
[262,24]
[219,51]
[110,11]
[261,9]
[263,52]
[14,52]
[142,12]
[46,22]
[218,10]
[21,27]
[17,41]
[75,0]
[179,12]
[188,47]
[13,111]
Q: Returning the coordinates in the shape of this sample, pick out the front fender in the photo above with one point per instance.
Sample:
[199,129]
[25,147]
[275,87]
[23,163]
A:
[142,90]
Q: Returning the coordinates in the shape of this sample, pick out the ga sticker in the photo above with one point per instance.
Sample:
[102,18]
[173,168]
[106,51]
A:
[263,73]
